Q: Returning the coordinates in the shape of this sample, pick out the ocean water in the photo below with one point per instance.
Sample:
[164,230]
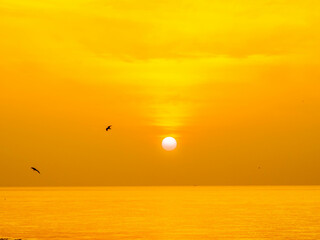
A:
[161,213]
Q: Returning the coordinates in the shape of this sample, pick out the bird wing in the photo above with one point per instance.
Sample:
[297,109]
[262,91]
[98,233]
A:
[34,169]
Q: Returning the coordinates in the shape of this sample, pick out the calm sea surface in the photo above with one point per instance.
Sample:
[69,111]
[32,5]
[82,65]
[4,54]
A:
[169,213]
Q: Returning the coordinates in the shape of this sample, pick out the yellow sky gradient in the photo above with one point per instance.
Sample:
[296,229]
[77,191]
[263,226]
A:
[237,83]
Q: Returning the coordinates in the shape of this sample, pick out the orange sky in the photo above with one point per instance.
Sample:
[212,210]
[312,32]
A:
[237,84]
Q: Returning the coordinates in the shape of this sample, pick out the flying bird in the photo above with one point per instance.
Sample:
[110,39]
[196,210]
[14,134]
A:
[108,128]
[34,169]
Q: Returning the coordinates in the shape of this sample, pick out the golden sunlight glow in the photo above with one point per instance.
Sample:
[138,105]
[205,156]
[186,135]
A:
[235,81]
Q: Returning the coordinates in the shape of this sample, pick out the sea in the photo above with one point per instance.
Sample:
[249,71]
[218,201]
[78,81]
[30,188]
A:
[161,213]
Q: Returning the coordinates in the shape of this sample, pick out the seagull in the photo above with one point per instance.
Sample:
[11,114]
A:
[34,169]
[108,128]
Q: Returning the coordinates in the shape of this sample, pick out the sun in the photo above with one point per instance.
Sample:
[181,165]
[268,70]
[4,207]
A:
[169,143]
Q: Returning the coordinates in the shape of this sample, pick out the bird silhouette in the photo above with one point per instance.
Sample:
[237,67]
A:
[108,128]
[34,169]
